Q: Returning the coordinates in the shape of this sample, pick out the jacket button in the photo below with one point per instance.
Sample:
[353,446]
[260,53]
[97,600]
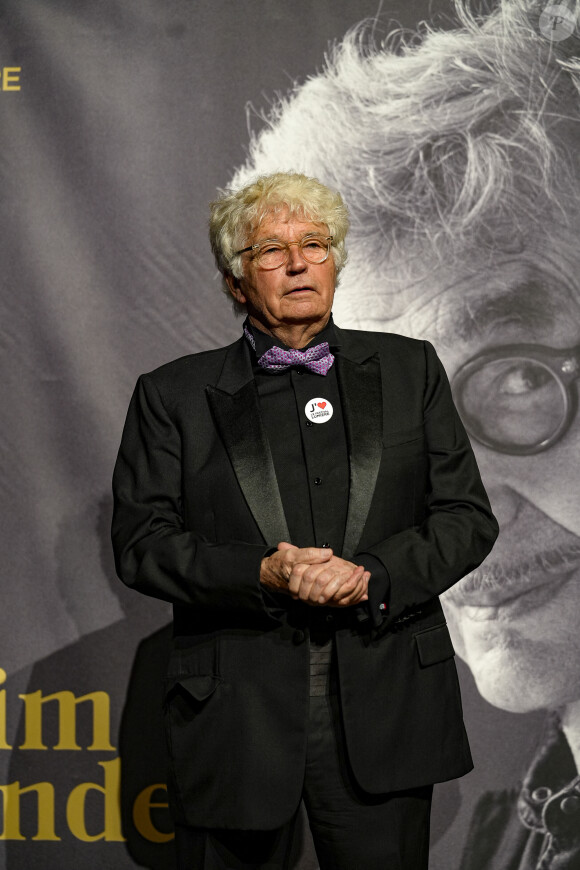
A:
[317,481]
[570,805]
[298,637]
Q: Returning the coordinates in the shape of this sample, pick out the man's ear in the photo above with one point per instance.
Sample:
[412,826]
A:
[234,286]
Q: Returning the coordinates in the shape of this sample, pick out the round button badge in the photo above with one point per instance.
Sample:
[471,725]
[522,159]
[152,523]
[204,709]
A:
[318,410]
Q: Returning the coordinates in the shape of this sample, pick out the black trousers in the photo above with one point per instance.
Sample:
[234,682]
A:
[351,829]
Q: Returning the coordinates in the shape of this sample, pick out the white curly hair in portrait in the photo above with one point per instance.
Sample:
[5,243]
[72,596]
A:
[442,144]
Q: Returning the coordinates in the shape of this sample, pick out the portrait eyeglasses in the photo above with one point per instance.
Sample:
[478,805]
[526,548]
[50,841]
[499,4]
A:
[273,253]
[518,399]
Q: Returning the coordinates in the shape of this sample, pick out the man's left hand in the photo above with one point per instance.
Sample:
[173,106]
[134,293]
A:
[335,583]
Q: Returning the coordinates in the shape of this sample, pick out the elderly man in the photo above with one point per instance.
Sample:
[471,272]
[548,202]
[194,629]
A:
[302,497]
[459,162]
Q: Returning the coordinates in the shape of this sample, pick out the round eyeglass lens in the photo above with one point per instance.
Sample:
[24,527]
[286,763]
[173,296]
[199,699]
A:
[515,402]
[271,254]
[314,250]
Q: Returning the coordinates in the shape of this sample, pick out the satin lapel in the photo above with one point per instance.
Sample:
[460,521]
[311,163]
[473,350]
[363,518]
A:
[362,404]
[236,410]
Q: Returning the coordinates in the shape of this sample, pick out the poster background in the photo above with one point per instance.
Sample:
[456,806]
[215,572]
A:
[129,115]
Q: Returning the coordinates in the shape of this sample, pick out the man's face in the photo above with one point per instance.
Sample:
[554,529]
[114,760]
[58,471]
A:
[516,620]
[297,292]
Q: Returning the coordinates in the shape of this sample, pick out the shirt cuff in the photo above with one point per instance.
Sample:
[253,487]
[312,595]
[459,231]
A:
[377,607]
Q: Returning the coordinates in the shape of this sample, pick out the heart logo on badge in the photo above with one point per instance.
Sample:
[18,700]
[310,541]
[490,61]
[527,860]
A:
[318,410]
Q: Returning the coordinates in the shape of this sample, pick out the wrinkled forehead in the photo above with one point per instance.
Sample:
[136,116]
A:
[477,311]
[271,217]
[468,297]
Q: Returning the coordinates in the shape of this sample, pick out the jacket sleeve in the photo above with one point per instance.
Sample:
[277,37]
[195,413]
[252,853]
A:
[459,528]
[154,553]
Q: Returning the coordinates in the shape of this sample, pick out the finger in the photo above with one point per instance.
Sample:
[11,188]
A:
[323,574]
[296,578]
[350,584]
[344,563]
[304,592]
[337,587]
[320,572]
[352,600]
[354,594]
[358,595]
[303,573]
[284,545]
[314,555]
[317,581]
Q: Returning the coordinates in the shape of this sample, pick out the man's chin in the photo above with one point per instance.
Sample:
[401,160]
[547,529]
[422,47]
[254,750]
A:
[516,670]
[506,678]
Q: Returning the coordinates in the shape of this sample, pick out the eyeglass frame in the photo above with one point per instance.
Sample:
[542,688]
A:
[564,365]
[286,245]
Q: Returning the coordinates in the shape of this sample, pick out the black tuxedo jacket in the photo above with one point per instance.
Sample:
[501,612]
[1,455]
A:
[197,506]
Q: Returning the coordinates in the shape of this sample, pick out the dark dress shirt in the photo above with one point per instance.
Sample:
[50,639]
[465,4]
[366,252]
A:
[312,469]
[310,459]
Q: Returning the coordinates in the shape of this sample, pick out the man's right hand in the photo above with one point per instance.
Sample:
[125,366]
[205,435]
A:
[315,576]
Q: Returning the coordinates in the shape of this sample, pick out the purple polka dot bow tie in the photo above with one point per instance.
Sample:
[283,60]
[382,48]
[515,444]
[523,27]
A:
[316,359]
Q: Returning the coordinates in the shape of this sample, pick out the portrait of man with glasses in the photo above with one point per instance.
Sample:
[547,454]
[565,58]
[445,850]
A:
[459,160]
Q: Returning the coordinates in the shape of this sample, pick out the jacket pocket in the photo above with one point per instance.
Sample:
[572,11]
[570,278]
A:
[434,645]
[198,686]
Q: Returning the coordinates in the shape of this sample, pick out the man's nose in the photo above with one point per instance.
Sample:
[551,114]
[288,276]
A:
[296,261]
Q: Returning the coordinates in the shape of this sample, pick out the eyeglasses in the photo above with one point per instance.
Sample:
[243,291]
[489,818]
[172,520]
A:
[518,399]
[273,253]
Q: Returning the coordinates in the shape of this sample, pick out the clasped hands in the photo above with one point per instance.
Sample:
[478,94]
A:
[315,576]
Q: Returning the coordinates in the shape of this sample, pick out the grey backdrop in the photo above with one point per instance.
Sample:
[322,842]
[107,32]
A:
[130,114]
